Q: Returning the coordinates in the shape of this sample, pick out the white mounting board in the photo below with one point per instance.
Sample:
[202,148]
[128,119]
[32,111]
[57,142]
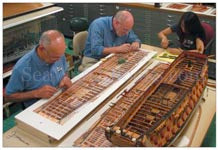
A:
[57,131]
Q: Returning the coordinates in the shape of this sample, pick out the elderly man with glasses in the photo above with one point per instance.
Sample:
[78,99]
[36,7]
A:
[39,73]
[109,35]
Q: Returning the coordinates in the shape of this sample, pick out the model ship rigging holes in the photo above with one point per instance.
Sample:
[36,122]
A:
[163,99]
[159,118]
[89,87]
[96,137]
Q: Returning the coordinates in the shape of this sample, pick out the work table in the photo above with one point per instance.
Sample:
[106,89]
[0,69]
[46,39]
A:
[192,135]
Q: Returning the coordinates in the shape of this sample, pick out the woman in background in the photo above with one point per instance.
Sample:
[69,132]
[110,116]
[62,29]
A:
[191,34]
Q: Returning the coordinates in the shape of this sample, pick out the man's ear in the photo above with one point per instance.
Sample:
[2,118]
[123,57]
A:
[116,21]
[41,47]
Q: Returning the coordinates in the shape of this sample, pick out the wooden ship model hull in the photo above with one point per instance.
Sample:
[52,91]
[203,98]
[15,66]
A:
[51,120]
[166,107]
[95,136]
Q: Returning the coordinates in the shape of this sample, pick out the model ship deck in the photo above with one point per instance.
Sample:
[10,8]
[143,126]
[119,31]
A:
[159,116]
[59,115]
[96,136]
[89,87]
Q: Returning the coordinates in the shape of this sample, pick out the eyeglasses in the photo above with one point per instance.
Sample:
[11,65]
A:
[123,28]
[51,58]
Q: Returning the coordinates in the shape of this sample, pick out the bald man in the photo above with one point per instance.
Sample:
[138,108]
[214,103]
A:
[109,35]
[39,73]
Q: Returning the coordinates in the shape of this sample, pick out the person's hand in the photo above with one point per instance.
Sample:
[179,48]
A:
[175,51]
[134,46]
[124,48]
[164,42]
[65,82]
[45,91]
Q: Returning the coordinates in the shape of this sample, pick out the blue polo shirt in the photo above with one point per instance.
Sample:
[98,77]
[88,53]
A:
[101,34]
[31,73]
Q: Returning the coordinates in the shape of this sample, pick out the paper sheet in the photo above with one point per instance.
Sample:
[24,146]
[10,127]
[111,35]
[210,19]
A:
[166,56]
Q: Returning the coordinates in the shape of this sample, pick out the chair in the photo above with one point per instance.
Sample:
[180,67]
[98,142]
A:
[79,41]
[210,38]
[208,47]
[77,24]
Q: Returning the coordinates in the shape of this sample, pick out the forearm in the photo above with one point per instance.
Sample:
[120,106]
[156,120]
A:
[110,50]
[195,50]
[175,51]
[178,51]
[164,33]
[21,96]
[161,35]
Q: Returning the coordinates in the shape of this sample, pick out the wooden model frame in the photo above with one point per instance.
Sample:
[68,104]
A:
[165,109]
[50,130]
[95,136]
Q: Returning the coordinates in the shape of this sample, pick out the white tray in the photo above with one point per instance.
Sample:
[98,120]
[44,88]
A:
[197,12]
[165,6]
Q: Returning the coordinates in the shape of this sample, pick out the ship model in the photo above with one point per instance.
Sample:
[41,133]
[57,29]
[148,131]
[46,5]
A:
[95,136]
[88,88]
[160,115]
[53,119]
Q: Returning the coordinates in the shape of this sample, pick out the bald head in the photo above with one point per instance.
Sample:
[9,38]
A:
[52,43]
[124,16]
[123,22]
[50,36]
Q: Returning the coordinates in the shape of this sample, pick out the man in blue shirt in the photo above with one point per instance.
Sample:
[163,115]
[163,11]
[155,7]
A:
[109,35]
[40,72]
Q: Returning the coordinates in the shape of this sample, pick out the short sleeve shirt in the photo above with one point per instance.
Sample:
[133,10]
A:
[187,41]
[31,73]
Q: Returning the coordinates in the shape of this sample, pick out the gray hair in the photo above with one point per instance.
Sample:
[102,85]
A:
[45,38]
